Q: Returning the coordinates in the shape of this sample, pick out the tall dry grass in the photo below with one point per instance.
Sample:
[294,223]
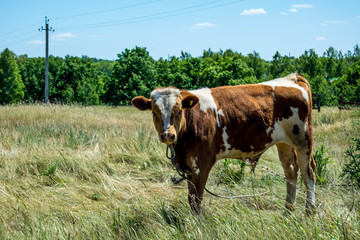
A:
[73,172]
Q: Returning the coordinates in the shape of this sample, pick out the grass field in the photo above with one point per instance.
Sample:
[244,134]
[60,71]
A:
[73,172]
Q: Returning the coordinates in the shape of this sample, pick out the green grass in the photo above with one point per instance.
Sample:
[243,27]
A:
[73,172]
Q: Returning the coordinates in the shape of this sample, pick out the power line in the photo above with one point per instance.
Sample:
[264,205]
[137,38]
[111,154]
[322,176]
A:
[151,16]
[21,40]
[196,10]
[135,18]
[17,36]
[64,17]
[156,16]
[20,29]
[105,11]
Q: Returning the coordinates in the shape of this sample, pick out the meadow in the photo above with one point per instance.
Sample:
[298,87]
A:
[75,172]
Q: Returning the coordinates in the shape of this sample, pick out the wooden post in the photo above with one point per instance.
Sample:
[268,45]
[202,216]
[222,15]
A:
[47,29]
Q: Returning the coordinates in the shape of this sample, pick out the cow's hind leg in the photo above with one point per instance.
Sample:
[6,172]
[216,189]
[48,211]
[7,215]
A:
[288,160]
[307,167]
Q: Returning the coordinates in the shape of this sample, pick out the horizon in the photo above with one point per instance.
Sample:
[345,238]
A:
[178,56]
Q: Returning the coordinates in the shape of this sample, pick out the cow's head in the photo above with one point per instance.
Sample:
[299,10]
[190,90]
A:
[167,106]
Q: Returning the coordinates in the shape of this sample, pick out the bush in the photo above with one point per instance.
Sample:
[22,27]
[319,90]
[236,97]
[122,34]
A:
[351,169]
[234,170]
[321,163]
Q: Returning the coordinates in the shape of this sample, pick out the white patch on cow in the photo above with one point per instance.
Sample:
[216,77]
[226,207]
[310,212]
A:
[193,162]
[288,81]
[219,113]
[268,130]
[291,168]
[194,165]
[296,119]
[279,133]
[165,99]
[225,138]
[206,101]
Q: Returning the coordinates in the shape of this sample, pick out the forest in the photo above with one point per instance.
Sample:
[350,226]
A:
[88,81]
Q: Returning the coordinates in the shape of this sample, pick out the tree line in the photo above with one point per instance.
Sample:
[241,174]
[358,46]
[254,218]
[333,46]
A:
[333,75]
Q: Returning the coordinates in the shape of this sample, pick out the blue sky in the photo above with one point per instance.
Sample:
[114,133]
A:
[102,29]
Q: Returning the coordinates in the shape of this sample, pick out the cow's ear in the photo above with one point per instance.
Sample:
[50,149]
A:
[141,103]
[189,101]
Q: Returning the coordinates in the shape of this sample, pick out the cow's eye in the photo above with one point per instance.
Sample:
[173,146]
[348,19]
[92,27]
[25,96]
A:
[154,114]
[180,112]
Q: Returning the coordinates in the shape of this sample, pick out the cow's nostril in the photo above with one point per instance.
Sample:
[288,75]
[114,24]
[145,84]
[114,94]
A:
[166,137]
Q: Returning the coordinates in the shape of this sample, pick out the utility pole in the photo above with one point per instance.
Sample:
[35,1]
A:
[47,29]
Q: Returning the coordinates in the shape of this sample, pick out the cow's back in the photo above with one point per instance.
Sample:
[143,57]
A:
[250,118]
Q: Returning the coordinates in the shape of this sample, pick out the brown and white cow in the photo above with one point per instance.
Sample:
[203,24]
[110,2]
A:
[239,122]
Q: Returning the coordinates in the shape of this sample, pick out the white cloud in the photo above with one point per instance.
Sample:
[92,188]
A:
[62,36]
[36,42]
[253,12]
[294,7]
[327,22]
[203,25]
[320,39]
[302,6]
[284,13]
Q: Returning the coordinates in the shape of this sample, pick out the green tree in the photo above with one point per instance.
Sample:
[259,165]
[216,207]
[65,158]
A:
[56,71]
[350,83]
[254,61]
[90,90]
[134,74]
[172,73]
[341,65]
[320,86]
[276,66]
[281,66]
[105,67]
[330,63]
[32,71]
[356,54]
[240,72]
[309,63]
[93,81]
[192,68]
[11,85]
[76,80]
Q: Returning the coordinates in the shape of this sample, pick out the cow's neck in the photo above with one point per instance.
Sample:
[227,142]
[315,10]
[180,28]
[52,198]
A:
[184,142]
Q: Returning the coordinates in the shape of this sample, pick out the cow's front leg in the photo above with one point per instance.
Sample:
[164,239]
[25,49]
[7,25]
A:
[196,185]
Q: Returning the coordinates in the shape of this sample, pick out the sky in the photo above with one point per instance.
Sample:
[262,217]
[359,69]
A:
[103,29]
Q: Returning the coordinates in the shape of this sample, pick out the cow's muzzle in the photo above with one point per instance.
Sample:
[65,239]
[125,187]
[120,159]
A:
[168,138]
